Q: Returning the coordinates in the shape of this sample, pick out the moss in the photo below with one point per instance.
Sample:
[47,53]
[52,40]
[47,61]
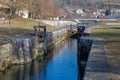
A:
[3,64]
[39,57]
[6,65]
[2,43]
[9,64]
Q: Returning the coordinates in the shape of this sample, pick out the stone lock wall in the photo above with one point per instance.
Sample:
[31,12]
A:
[24,49]
[18,51]
[56,36]
[84,47]
[5,55]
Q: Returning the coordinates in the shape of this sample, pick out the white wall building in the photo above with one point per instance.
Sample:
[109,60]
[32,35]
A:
[22,13]
[79,11]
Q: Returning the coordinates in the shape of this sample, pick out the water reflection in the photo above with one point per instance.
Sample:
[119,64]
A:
[60,64]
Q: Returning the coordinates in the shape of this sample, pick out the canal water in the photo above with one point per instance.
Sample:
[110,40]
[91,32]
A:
[60,64]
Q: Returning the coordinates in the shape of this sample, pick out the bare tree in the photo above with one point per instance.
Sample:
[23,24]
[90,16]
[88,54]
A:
[15,5]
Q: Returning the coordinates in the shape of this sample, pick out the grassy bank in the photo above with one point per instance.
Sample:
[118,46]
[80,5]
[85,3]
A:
[20,26]
[109,21]
[111,36]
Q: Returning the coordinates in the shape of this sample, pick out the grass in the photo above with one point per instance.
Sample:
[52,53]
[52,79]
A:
[19,27]
[111,36]
[109,21]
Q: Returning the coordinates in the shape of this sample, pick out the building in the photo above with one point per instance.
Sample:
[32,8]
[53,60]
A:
[22,13]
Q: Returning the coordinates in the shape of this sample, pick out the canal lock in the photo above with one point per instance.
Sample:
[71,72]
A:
[83,50]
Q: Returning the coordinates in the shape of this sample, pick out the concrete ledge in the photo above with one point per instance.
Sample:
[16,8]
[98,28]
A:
[58,23]
[97,66]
